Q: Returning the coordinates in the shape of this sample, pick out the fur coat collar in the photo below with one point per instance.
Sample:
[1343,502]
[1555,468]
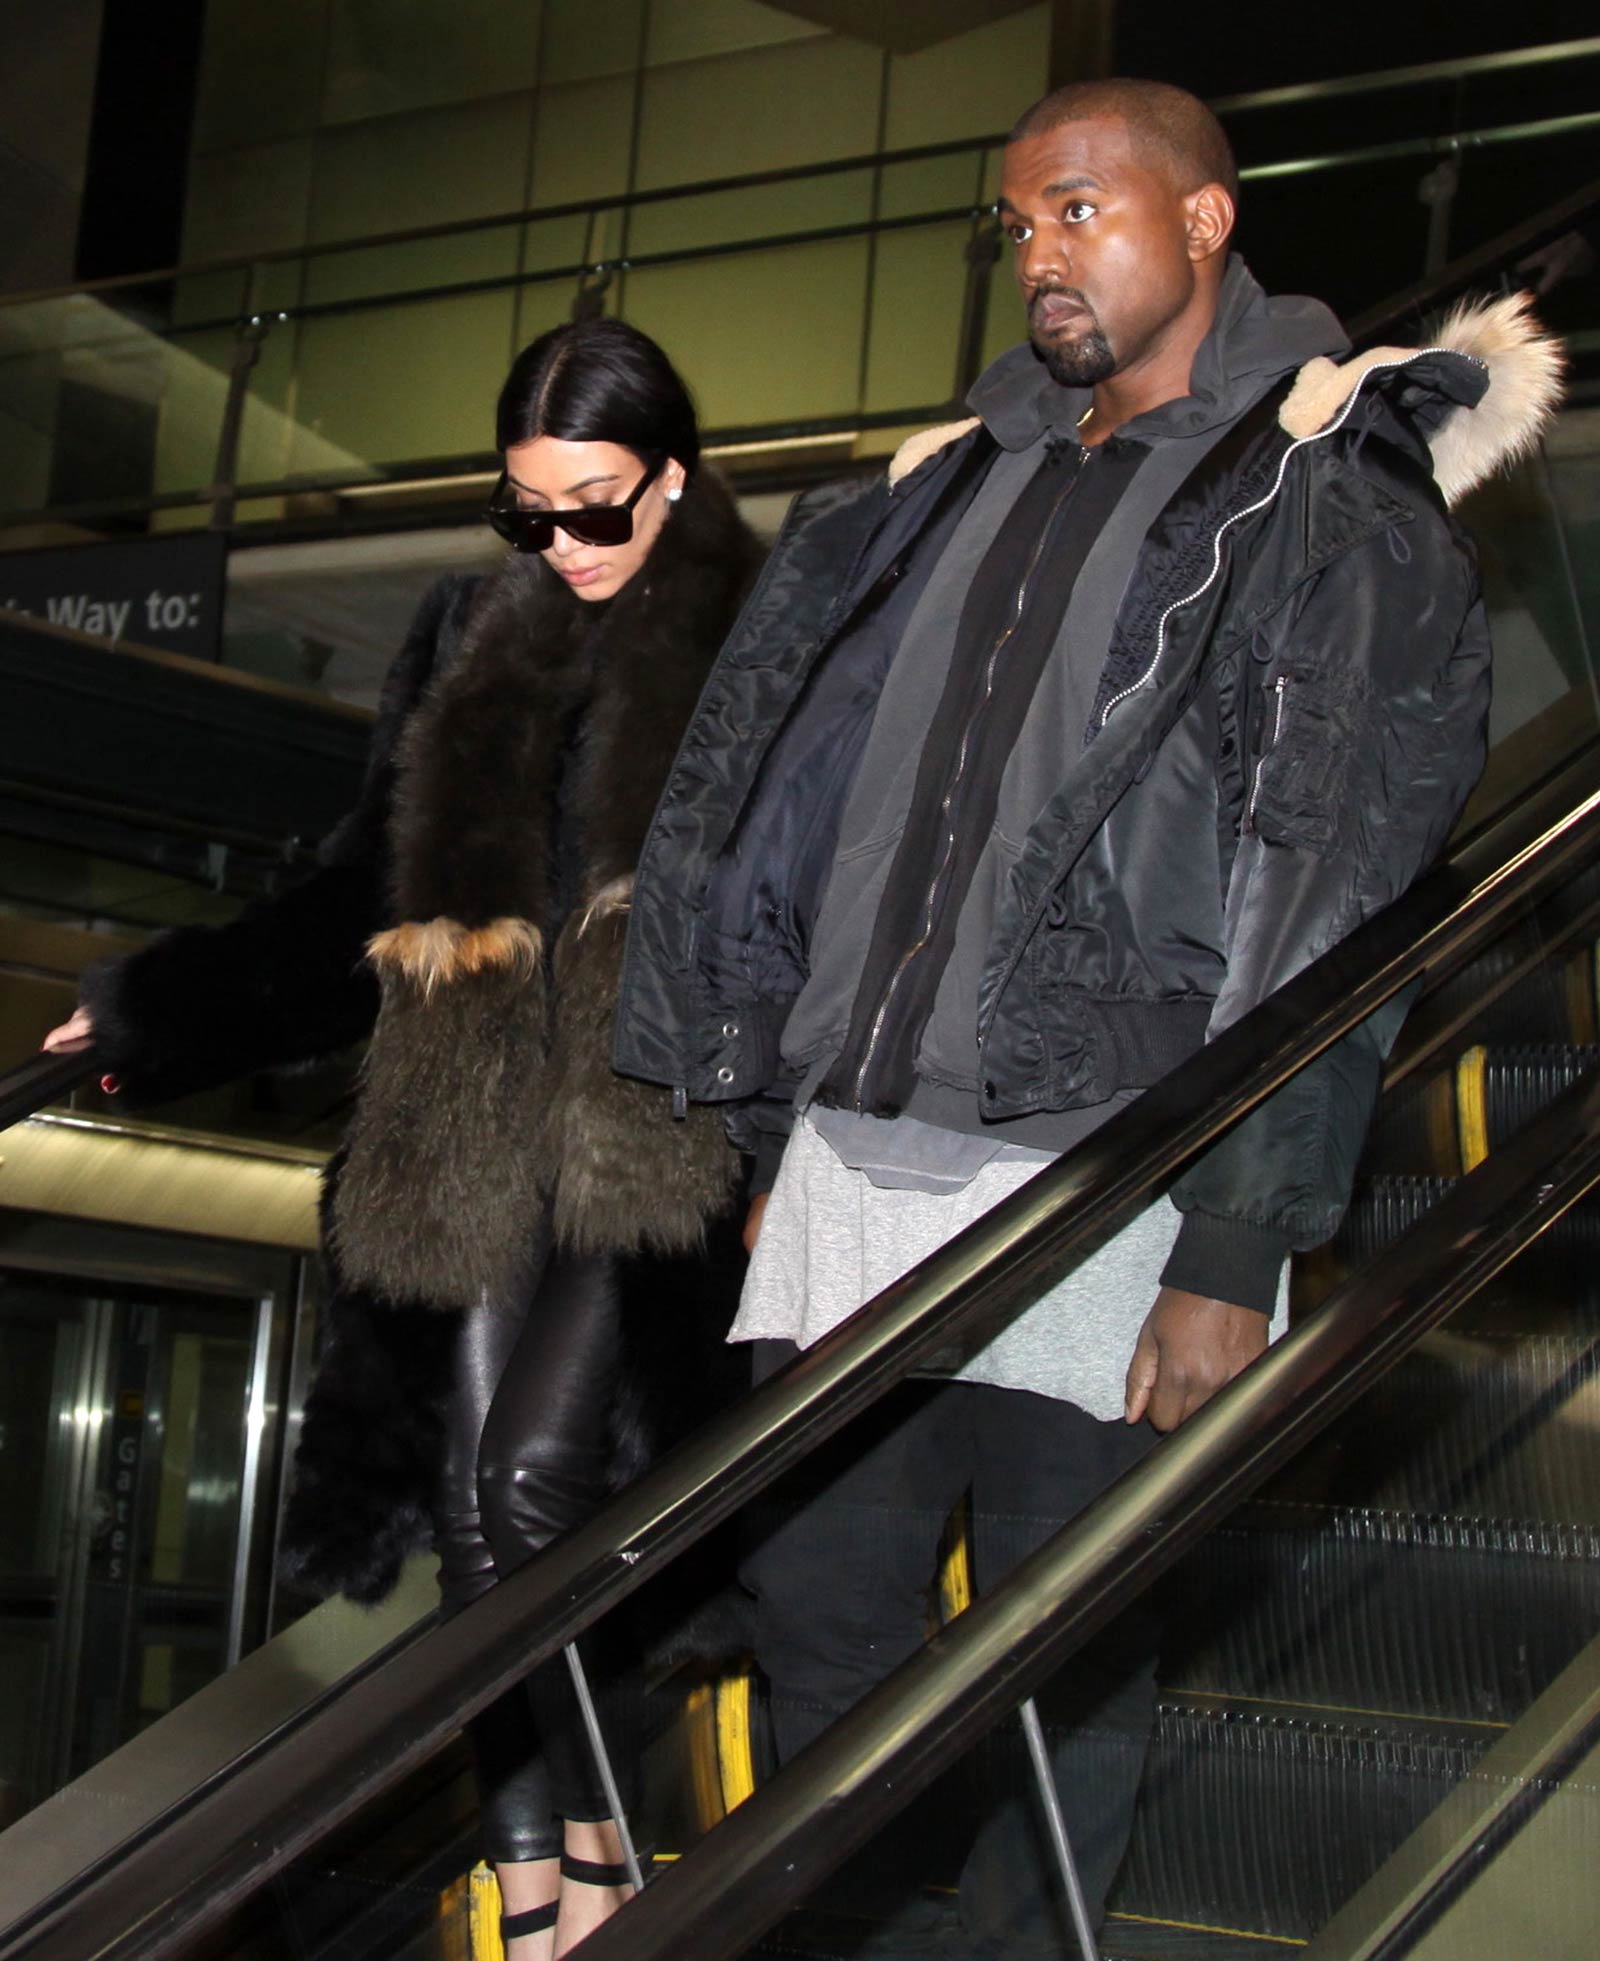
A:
[526,782]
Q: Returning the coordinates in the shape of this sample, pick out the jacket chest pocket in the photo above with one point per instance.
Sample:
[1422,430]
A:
[1307,741]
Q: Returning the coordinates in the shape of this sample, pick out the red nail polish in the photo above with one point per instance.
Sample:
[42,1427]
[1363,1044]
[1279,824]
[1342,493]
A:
[110,1085]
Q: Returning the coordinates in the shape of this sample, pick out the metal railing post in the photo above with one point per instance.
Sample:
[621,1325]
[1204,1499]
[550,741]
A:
[246,352]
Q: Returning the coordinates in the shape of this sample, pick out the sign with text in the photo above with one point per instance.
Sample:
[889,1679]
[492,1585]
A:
[156,592]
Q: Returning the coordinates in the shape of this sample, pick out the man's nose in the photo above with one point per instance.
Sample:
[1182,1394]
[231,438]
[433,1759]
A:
[1042,261]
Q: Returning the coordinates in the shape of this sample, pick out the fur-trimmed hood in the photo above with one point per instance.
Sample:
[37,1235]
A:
[525,785]
[1481,392]
[1483,389]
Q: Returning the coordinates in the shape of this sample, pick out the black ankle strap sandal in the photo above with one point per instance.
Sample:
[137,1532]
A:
[590,1872]
[532,1920]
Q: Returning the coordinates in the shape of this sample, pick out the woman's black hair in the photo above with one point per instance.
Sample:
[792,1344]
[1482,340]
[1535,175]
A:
[598,381]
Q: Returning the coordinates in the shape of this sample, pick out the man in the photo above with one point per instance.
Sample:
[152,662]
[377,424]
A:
[1020,776]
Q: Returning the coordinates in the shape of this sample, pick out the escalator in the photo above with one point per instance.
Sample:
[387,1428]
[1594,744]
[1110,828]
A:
[1377,1560]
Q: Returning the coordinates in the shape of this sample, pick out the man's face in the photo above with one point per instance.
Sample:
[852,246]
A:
[1102,252]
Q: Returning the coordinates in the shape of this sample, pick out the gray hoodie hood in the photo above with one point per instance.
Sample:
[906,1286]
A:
[1252,341]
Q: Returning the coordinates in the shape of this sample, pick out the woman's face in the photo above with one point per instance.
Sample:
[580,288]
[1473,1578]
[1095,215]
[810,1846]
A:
[550,474]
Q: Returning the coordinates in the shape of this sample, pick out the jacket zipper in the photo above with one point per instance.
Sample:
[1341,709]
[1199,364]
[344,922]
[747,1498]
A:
[1280,688]
[931,897]
[1261,503]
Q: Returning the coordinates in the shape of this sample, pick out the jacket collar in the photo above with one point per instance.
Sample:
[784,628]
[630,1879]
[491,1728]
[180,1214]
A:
[1253,338]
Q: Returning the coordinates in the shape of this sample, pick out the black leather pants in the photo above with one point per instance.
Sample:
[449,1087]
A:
[526,1461]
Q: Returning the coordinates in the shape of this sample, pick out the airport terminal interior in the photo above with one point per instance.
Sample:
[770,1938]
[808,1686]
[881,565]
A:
[263,266]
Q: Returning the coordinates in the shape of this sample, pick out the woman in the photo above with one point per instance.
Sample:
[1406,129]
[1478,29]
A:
[499,1188]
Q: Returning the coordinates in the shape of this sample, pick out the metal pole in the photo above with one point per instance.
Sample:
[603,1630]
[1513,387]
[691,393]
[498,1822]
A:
[246,352]
[1056,1824]
[602,1763]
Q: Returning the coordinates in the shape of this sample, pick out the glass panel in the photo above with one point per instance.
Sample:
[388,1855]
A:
[551,242]
[260,71]
[581,40]
[687,30]
[933,184]
[197,371]
[1573,453]
[402,384]
[973,84]
[582,133]
[541,304]
[430,168]
[377,270]
[44,1345]
[213,296]
[1007,322]
[763,211]
[248,200]
[918,286]
[775,108]
[721,320]
[122,1448]
[385,60]
[81,385]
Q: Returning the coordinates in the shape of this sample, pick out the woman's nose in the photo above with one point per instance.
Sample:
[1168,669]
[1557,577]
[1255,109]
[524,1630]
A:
[562,542]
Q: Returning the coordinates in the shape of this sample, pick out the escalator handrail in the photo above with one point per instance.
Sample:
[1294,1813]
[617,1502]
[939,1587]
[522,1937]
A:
[42,1080]
[771,1852]
[207,1853]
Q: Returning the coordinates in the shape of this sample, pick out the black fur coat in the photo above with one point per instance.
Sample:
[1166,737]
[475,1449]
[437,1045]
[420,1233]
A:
[470,913]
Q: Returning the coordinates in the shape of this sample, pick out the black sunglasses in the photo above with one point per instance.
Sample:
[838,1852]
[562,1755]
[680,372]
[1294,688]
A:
[595,524]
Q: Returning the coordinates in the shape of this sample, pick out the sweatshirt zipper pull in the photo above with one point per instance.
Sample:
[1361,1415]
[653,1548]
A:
[680,1103]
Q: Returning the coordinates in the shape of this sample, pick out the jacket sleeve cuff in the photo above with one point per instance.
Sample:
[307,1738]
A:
[1227,1260]
[768,1156]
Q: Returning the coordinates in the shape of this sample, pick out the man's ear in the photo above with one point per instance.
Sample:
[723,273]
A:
[1208,223]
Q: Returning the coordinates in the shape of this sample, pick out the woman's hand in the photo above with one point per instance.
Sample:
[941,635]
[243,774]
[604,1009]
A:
[73,1035]
[753,1218]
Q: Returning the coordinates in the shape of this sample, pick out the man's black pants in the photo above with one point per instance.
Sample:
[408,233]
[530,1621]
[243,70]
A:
[842,1564]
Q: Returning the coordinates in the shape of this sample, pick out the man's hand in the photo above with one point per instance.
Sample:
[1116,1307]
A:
[753,1218]
[1188,1348]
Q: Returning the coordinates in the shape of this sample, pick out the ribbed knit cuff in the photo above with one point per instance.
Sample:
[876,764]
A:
[1227,1260]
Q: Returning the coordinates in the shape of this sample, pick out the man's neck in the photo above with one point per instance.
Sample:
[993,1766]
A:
[1161,374]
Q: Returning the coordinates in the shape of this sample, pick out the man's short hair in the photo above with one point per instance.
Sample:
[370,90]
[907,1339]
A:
[1186,137]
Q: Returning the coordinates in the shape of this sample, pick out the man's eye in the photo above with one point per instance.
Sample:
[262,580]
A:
[1019,233]
[1077,211]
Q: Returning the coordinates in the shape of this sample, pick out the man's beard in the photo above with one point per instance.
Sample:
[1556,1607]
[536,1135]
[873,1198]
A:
[1079,363]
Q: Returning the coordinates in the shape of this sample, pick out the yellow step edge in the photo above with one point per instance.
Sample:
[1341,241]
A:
[1472,1107]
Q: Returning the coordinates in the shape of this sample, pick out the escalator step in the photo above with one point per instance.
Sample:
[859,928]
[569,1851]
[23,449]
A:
[1450,1620]
[1552,1286]
[1555,1002]
[1384,1207]
[1428,1124]
[1269,1820]
[1519,1083]
[1466,1427]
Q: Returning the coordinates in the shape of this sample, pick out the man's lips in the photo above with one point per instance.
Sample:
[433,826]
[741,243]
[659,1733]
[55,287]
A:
[1051,311]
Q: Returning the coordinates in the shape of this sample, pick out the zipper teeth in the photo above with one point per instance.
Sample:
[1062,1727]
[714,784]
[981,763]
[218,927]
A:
[1317,435]
[1280,688]
[930,901]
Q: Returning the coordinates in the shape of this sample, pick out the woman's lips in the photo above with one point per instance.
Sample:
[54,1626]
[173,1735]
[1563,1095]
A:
[581,575]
